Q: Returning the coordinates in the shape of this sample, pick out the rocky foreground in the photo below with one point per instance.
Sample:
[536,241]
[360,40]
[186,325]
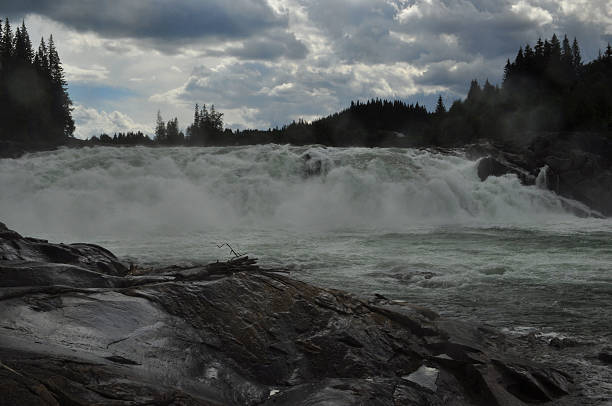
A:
[79,328]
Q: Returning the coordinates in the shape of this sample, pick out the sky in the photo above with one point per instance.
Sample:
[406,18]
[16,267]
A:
[265,63]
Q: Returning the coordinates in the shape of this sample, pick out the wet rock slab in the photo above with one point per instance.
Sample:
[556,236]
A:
[77,328]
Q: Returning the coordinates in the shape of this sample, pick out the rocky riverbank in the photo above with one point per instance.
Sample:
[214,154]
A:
[78,327]
[577,165]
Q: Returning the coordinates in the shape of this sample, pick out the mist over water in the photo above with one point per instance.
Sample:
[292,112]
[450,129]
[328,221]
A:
[91,193]
[410,224]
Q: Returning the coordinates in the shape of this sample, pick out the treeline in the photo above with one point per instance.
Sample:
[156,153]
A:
[547,88]
[125,138]
[34,104]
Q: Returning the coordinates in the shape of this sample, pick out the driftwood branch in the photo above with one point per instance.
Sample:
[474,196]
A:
[234,252]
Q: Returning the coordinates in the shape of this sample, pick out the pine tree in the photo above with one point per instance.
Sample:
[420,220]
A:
[160,129]
[172,132]
[6,46]
[566,52]
[440,108]
[28,53]
[539,48]
[507,71]
[204,118]
[546,51]
[555,48]
[488,91]
[60,93]
[216,119]
[41,60]
[56,71]
[520,60]
[576,57]
[22,47]
[196,115]
[474,94]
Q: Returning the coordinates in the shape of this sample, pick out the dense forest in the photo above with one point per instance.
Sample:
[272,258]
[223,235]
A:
[34,104]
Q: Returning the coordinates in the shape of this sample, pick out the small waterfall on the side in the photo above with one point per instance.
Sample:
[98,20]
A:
[542,178]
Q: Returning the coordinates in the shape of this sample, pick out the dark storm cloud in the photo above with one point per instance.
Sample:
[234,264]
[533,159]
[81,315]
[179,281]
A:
[156,19]
[270,48]
[274,45]
[457,76]
[370,31]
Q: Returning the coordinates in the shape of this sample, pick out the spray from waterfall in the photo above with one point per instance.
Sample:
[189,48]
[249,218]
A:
[542,178]
[109,191]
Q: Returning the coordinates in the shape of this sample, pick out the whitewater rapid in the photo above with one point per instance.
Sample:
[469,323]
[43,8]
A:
[92,193]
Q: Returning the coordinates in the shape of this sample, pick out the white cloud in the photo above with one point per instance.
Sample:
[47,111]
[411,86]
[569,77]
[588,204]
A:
[532,12]
[90,122]
[95,73]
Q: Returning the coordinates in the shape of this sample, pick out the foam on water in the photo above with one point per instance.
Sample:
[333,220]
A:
[89,193]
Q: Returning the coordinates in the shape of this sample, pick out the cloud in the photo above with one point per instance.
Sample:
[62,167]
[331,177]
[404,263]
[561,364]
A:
[95,73]
[280,44]
[158,19]
[534,13]
[90,122]
[275,95]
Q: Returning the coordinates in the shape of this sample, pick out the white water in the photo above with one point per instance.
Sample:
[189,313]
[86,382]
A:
[86,194]
[411,224]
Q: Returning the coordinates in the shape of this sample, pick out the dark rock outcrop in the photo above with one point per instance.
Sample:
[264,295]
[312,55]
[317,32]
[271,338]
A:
[234,334]
[490,166]
[579,164]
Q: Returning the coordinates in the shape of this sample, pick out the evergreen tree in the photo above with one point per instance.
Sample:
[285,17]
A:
[566,52]
[539,49]
[204,117]
[507,71]
[547,51]
[60,93]
[6,46]
[160,129]
[41,60]
[216,119]
[520,60]
[474,94]
[440,108]
[555,48]
[34,103]
[22,45]
[173,135]
[576,57]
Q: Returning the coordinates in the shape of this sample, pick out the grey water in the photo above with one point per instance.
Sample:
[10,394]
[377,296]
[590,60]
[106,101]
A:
[413,225]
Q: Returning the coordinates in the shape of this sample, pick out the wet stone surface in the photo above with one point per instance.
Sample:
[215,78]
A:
[77,328]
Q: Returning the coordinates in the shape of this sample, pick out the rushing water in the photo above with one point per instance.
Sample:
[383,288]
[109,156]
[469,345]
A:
[410,224]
